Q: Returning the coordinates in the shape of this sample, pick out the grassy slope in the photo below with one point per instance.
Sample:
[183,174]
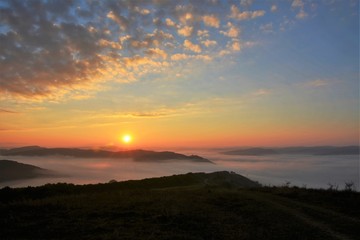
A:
[178,207]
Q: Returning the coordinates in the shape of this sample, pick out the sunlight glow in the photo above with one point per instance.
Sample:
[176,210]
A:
[126,139]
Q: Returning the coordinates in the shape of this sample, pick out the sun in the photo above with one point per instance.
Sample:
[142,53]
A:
[126,138]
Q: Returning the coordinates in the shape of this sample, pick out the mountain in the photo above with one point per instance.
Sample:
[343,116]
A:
[136,155]
[320,150]
[251,151]
[12,170]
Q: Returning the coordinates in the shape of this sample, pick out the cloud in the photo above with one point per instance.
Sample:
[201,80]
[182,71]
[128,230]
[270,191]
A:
[120,20]
[5,111]
[246,3]
[209,43]
[297,4]
[273,8]
[261,92]
[267,28]
[317,83]
[52,49]
[185,31]
[235,45]
[232,32]
[156,52]
[142,11]
[301,14]
[182,56]
[224,52]
[39,55]
[203,33]
[249,44]
[191,46]
[246,15]
[148,115]
[107,43]
[170,22]
[211,20]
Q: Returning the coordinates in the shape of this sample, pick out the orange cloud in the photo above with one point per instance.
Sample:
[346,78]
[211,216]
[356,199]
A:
[192,47]
[235,45]
[233,31]
[170,22]
[182,56]
[156,52]
[211,20]
[209,43]
[185,31]
[122,21]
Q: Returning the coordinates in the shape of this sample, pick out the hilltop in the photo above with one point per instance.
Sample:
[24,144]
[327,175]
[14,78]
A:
[193,206]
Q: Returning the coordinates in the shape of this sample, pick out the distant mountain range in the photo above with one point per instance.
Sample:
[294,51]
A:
[323,150]
[136,155]
[12,170]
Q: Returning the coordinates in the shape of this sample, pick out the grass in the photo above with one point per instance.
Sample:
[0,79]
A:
[177,208]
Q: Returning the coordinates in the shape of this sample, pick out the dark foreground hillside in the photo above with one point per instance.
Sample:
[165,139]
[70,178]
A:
[191,206]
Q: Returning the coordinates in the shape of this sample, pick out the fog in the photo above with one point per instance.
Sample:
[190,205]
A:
[300,170]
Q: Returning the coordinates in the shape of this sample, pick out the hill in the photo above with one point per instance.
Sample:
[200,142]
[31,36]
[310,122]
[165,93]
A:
[194,206]
[320,150]
[12,170]
[136,155]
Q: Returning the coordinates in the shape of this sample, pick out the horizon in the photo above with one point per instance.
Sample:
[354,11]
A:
[176,148]
[179,74]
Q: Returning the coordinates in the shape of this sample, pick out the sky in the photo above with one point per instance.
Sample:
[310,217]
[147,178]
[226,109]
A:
[192,73]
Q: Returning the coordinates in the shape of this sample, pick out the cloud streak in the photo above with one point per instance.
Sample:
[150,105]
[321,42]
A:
[4,111]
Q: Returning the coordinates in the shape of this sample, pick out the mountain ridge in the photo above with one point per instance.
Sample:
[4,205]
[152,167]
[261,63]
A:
[318,150]
[136,155]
